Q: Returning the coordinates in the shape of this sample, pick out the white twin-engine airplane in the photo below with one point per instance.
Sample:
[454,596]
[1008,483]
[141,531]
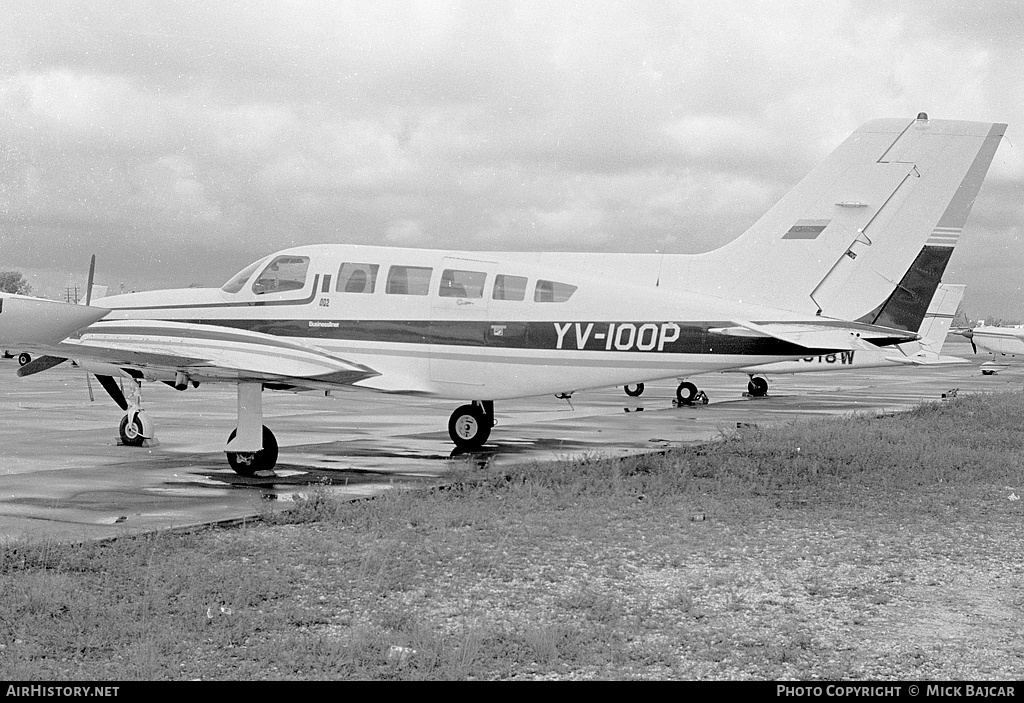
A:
[1005,344]
[847,261]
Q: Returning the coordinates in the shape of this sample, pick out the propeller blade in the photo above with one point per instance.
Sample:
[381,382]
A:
[40,363]
[970,335]
[88,283]
[88,301]
[113,390]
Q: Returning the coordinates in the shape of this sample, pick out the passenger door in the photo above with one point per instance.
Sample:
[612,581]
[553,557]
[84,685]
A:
[459,321]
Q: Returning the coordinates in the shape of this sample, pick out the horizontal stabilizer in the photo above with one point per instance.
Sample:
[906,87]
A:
[927,360]
[836,336]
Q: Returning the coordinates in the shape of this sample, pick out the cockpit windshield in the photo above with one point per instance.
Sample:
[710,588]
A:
[283,274]
[237,282]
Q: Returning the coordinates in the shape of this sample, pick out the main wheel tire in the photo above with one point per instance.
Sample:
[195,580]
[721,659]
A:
[248,463]
[131,432]
[685,393]
[634,391]
[758,387]
[469,427]
[24,358]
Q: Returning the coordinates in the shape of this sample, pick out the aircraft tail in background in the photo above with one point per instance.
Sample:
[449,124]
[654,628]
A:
[939,317]
[933,331]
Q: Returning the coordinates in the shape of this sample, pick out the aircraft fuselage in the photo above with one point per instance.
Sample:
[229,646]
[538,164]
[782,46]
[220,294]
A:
[467,325]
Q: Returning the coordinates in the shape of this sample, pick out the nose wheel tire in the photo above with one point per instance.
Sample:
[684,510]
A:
[248,463]
[469,427]
[634,391]
[131,432]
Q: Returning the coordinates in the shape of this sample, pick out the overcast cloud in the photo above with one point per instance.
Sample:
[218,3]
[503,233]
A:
[181,140]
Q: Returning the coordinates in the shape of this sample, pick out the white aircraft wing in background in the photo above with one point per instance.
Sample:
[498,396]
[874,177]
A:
[26,321]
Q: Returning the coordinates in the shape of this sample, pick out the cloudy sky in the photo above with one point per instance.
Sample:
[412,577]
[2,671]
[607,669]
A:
[178,141]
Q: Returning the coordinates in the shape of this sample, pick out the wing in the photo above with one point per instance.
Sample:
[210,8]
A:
[162,350]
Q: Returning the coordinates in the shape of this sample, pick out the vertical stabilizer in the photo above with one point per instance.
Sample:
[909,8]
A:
[875,223]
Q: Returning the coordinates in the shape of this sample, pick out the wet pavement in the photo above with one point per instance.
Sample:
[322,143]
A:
[64,475]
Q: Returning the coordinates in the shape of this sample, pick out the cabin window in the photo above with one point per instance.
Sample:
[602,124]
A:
[509,287]
[357,278]
[238,281]
[462,284]
[552,292]
[283,274]
[408,280]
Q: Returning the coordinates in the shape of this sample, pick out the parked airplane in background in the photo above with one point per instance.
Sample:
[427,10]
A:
[839,264]
[1005,344]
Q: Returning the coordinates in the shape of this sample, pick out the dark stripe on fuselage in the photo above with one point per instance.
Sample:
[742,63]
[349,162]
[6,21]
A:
[646,337]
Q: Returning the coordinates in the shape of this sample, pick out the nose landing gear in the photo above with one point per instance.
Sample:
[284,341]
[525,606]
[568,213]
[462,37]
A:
[135,427]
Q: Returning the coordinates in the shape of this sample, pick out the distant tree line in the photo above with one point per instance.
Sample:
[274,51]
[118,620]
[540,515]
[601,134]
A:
[14,282]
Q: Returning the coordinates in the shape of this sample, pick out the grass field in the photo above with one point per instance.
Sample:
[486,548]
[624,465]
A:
[848,548]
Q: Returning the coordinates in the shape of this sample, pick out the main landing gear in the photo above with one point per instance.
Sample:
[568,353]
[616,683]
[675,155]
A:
[470,425]
[251,447]
[686,393]
[249,463]
[757,387]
